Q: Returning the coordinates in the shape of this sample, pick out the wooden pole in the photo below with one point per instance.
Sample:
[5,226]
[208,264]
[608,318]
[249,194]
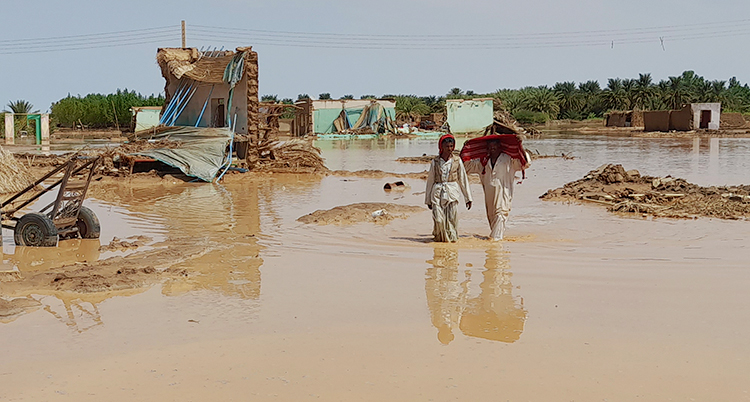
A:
[183,34]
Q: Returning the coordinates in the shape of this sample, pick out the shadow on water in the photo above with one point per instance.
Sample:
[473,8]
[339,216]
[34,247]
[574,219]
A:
[494,314]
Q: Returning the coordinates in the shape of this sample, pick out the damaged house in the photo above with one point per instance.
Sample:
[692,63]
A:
[211,108]
[344,116]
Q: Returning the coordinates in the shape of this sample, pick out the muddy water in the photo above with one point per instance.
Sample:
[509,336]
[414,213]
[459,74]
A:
[578,304]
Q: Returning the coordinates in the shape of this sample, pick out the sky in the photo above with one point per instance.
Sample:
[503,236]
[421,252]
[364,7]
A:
[49,49]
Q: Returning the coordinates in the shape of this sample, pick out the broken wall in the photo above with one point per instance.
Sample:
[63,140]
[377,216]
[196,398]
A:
[681,120]
[469,116]
[617,119]
[656,120]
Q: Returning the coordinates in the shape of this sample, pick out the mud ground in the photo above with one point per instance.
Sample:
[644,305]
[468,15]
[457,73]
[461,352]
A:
[629,192]
[219,292]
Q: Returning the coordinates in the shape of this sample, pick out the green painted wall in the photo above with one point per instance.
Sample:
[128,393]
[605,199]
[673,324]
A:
[147,118]
[469,116]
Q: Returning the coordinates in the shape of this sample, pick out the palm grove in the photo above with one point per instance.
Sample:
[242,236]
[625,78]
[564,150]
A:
[530,105]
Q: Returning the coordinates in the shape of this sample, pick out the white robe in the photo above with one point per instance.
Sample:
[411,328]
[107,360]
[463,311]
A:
[497,183]
[443,196]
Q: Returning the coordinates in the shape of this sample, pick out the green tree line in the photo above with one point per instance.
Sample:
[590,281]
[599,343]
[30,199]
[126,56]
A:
[585,100]
[100,111]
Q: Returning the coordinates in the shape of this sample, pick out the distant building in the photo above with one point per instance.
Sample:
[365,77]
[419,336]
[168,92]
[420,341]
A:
[363,116]
[627,118]
[469,116]
[696,116]
[706,116]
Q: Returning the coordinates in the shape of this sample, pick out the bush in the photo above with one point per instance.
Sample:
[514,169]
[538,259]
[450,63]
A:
[529,117]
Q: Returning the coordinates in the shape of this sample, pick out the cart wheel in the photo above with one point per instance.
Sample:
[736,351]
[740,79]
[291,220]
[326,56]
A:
[35,230]
[88,224]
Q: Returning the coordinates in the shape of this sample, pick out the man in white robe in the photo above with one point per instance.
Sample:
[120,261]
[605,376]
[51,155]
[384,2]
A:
[446,179]
[498,177]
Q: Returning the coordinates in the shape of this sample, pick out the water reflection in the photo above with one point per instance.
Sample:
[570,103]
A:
[67,252]
[209,232]
[494,314]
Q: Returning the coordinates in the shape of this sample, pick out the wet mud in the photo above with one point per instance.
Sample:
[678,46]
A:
[629,192]
[375,212]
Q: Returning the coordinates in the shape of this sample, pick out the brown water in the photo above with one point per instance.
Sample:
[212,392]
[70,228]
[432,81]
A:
[579,304]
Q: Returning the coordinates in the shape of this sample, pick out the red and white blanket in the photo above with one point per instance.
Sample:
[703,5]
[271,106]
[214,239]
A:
[479,148]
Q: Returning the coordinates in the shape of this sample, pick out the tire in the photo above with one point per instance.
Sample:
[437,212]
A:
[88,224]
[35,230]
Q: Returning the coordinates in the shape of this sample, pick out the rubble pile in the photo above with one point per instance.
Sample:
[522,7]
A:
[628,191]
[295,156]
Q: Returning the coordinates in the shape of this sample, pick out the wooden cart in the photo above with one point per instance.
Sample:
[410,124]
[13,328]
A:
[64,217]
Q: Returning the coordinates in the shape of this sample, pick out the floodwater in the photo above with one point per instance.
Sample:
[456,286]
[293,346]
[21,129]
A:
[578,304]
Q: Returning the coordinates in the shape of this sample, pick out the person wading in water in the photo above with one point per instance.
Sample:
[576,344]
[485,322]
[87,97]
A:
[447,177]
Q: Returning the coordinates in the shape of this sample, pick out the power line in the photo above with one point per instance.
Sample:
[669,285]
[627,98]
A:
[537,40]
[667,28]
[342,43]
[84,36]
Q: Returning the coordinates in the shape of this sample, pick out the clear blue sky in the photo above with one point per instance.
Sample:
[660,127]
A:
[489,44]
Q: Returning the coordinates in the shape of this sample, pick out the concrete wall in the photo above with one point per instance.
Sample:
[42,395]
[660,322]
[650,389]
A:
[468,116]
[715,109]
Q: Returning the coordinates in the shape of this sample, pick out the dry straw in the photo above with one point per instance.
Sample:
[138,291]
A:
[13,175]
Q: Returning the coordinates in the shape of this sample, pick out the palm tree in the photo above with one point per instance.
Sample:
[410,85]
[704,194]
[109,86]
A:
[614,96]
[541,99]
[591,94]
[643,91]
[569,99]
[20,107]
[455,93]
[510,100]
[410,108]
[269,98]
[324,96]
[679,91]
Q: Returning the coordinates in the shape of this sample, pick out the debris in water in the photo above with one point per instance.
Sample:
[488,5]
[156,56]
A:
[628,191]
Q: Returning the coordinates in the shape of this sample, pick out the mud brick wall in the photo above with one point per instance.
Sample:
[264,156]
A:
[656,120]
[253,103]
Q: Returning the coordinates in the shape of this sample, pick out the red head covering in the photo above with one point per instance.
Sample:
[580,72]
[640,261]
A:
[444,137]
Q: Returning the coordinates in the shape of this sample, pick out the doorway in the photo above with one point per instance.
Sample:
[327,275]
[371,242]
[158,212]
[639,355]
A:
[218,113]
[705,118]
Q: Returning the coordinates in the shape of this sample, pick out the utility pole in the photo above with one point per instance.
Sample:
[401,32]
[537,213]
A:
[183,34]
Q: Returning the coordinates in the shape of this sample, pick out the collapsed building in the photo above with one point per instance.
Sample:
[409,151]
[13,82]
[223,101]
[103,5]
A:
[344,116]
[211,109]
[211,89]
[625,118]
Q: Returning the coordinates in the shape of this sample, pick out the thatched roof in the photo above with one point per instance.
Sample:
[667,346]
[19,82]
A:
[13,175]
[189,63]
